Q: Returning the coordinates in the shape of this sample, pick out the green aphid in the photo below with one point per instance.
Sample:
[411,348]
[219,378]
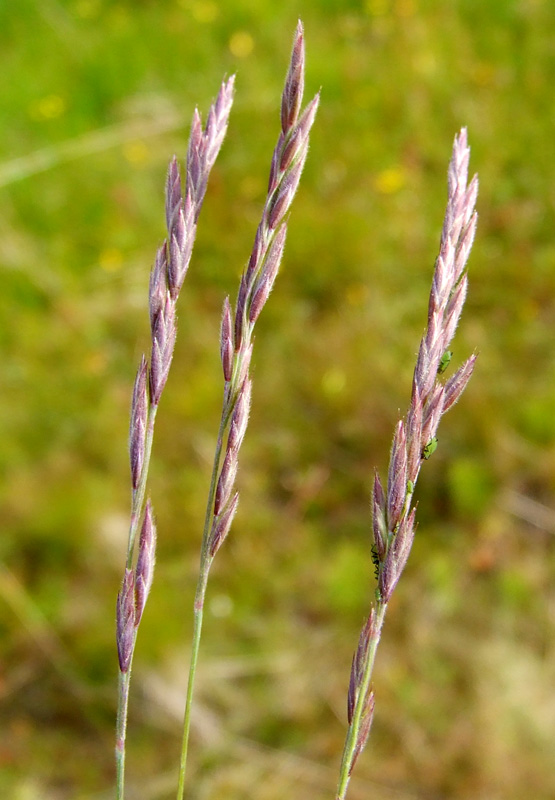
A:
[430,448]
[410,487]
[444,362]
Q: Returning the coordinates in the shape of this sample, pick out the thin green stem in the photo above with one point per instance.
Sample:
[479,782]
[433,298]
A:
[124,682]
[123,696]
[200,594]
[197,632]
[354,728]
[229,402]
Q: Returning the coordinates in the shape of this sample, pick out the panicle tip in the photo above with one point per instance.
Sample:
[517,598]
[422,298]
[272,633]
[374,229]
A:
[462,138]
[294,83]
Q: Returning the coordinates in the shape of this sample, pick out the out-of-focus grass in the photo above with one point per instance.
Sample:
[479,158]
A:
[95,98]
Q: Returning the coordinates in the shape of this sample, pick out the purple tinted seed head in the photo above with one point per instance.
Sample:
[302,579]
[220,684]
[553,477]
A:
[240,417]
[273,180]
[137,428]
[216,126]
[294,83]
[167,275]
[163,342]
[379,522]
[221,525]
[240,312]
[397,477]
[226,342]
[359,660]
[279,205]
[263,285]
[456,385]
[256,255]
[144,571]
[364,730]
[225,481]
[158,284]
[414,440]
[125,621]
[173,192]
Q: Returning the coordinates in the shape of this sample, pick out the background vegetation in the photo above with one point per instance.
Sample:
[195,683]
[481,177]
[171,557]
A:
[96,96]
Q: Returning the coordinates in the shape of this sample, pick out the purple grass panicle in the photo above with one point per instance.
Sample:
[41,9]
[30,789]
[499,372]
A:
[259,275]
[414,441]
[166,278]
[236,337]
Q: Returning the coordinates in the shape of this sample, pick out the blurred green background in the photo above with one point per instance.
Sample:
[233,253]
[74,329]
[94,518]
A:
[96,96]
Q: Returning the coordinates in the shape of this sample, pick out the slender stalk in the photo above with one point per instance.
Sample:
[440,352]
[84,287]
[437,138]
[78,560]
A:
[195,647]
[198,610]
[414,442]
[351,749]
[200,594]
[121,729]
[236,343]
[167,276]
[124,679]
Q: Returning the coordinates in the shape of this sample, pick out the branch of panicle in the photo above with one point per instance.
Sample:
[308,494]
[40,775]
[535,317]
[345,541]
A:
[166,278]
[257,282]
[414,440]
[236,341]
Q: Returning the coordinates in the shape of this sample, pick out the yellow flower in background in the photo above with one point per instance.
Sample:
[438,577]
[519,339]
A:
[136,152]
[405,8]
[203,11]
[333,381]
[110,259]
[241,44]
[381,8]
[87,9]
[50,107]
[377,8]
[119,18]
[390,181]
